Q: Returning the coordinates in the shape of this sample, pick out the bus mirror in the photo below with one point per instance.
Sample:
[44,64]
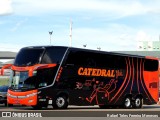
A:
[44,84]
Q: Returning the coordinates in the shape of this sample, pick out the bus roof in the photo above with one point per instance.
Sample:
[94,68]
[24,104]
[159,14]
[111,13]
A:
[90,50]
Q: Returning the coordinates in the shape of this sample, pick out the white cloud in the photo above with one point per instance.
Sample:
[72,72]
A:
[112,38]
[5,7]
[18,25]
[142,36]
[149,34]
[10,47]
[115,37]
[108,36]
[89,7]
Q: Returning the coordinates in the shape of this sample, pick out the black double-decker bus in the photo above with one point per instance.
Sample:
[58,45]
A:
[62,76]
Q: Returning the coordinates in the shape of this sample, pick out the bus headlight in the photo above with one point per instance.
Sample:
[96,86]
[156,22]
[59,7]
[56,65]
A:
[31,95]
[12,96]
[8,94]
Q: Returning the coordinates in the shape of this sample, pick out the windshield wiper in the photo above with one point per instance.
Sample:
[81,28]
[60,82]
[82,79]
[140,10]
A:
[23,87]
[29,63]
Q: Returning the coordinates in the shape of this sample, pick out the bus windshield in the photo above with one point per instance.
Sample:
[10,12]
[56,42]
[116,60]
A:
[28,57]
[20,80]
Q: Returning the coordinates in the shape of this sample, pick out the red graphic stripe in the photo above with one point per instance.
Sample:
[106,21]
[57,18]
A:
[126,84]
[122,83]
[132,72]
[137,77]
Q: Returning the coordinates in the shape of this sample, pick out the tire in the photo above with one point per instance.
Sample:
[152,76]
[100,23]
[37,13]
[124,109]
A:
[61,102]
[5,104]
[10,105]
[127,102]
[37,107]
[138,103]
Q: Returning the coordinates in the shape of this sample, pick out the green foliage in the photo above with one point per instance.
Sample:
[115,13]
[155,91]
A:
[4,81]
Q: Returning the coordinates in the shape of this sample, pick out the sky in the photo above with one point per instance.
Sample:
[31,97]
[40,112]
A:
[112,25]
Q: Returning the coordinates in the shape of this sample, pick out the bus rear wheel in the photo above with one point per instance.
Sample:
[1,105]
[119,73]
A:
[138,102]
[61,102]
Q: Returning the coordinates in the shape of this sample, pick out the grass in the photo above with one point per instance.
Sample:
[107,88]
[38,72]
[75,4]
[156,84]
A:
[4,81]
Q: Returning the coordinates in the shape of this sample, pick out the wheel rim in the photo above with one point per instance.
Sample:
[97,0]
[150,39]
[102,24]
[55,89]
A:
[60,102]
[127,102]
[137,102]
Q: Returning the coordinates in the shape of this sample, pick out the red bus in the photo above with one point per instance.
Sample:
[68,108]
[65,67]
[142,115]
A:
[62,76]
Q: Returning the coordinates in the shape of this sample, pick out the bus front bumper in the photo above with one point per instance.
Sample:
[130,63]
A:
[28,98]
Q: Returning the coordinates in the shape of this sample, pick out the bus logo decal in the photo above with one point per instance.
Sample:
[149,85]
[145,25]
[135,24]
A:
[153,85]
[99,72]
[107,90]
[96,72]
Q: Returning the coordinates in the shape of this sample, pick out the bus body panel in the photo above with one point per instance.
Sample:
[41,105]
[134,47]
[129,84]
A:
[108,78]
[90,77]
[23,98]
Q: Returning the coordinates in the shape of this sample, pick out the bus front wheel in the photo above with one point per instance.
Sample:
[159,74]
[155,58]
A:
[61,102]
[10,105]
[37,107]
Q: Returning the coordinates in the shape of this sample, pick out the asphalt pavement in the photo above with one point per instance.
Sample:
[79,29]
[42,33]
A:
[80,113]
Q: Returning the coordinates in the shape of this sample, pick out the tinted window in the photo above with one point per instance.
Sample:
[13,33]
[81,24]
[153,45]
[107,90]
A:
[53,55]
[45,77]
[150,65]
[90,59]
[28,57]
[80,58]
[120,62]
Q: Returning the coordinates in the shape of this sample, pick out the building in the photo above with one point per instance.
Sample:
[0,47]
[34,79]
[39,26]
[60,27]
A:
[148,46]
[7,57]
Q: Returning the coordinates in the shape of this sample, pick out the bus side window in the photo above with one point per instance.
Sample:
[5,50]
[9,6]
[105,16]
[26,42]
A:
[120,63]
[150,65]
[75,58]
[53,55]
[45,77]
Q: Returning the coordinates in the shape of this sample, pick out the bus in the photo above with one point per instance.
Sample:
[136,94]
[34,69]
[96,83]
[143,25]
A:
[62,76]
